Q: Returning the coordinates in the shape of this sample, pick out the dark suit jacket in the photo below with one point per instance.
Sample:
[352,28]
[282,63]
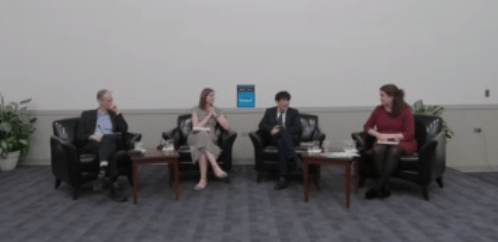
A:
[292,122]
[88,121]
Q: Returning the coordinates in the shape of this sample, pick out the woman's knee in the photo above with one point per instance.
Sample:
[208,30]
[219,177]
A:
[396,152]
[379,149]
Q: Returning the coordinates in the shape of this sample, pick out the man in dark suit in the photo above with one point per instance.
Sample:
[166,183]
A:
[100,131]
[282,124]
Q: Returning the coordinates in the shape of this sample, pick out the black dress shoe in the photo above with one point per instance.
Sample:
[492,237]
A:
[116,193]
[384,192]
[101,185]
[371,194]
[281,184]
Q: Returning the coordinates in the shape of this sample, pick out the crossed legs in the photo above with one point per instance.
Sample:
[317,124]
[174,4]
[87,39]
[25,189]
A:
[205,158]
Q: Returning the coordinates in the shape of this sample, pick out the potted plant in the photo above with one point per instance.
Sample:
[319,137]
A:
[15,129]
[420,108]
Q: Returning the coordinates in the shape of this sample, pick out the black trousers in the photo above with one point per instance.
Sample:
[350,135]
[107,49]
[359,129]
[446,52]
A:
[285,144]
[386,160]
[105,150]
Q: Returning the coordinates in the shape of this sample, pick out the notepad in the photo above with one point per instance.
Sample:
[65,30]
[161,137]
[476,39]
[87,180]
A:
[201,129]
[388,142]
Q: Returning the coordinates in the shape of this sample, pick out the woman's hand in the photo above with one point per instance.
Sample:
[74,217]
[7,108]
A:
[383,137]
[212,112]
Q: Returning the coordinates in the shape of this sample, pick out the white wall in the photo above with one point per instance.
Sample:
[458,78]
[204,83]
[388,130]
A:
[160,54]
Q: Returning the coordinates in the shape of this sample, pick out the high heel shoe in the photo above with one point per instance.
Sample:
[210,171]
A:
[224,177]
[198,187]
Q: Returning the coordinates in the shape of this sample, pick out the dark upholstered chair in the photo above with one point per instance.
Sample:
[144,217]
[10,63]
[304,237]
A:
[424,166]
[180,134]
[75,168]
[266,155]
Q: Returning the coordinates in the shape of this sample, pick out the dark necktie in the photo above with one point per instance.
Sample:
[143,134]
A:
[279,119]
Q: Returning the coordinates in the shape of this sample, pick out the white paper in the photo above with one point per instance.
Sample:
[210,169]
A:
[201,129]
[340,154]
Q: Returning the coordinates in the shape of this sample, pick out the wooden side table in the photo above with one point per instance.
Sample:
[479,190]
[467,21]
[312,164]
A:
[154,156]
[319,160]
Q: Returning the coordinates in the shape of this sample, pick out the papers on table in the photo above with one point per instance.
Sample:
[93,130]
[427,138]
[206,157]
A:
[140,149]
[340,154]
[201,129]
[315,151]
[388,142]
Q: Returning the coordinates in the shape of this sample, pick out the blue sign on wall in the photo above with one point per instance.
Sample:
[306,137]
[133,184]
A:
[245,96]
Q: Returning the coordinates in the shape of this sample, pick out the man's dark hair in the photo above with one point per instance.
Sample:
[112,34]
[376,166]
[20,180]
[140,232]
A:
[101,93]
[282,95]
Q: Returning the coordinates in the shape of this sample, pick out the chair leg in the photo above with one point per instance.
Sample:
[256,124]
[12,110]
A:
[57,183]
[75,192]
[425,192]
[130,179]
[260,177]
[440,182]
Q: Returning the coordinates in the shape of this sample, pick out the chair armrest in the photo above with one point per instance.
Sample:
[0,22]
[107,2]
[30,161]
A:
[227,140]
[426,160]
[318,136]
[363,141]
[131,139]
[439,165]
[257,142]
[173,134]
[64,159]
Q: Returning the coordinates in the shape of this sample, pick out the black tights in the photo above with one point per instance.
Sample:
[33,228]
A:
[386,159]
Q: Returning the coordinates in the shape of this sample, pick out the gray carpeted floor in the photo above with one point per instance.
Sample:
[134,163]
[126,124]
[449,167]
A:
[32,210]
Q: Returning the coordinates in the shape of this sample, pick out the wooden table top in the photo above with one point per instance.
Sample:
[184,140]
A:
[152,153]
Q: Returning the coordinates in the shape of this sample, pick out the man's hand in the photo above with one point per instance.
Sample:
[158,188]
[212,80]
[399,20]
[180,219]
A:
[114,108]
[96,137]
[275,130]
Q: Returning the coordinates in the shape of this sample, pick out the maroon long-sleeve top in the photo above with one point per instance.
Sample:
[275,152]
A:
[388,124]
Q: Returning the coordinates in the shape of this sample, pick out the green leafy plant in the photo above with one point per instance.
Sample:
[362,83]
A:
[15,127]
[420,108]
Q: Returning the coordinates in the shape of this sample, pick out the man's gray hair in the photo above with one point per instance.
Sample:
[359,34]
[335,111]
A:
[101,93]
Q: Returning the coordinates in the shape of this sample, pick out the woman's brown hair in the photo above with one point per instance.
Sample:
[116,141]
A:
[204,94]
[398,98]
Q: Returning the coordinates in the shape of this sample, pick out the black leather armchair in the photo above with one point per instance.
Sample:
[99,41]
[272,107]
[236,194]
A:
[266,155]
[75,168]
[180,134]
[422,167]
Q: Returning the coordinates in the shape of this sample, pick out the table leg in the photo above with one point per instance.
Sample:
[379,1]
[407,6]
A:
[177,181]
[135,181]
[317,176]
[356,176]
[305,177]
[348,182]
[171,174]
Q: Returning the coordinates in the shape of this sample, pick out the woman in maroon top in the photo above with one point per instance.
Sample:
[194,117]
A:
[393,120]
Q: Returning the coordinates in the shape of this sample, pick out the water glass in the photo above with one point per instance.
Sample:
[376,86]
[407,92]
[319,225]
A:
[325,146]
[349,146]
[169,144]
[138,145]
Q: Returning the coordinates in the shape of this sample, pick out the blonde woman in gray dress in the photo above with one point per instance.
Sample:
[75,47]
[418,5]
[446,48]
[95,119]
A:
[203,143]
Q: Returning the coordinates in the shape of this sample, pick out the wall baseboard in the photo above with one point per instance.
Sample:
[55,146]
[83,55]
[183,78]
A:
[45,162]
[476,168]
